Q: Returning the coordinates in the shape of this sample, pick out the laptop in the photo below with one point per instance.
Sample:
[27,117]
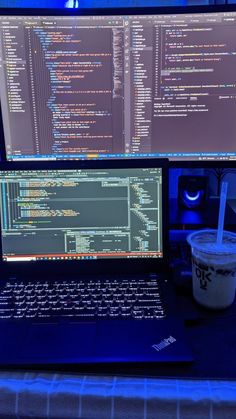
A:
[84,269]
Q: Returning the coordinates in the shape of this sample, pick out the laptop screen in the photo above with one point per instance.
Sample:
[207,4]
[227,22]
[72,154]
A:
[59,213]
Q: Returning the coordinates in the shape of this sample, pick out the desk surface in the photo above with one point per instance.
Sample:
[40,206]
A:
[205,388]
[210,334]
[148,392]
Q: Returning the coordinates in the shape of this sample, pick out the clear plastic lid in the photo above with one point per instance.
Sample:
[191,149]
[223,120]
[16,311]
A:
[205,240]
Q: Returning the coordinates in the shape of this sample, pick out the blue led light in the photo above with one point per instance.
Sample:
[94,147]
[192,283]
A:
[72,4]
[192,197]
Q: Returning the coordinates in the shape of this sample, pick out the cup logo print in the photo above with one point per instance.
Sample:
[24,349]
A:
[204,273]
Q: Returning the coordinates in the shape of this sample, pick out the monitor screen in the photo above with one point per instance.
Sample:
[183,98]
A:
[102,86]
[69,214]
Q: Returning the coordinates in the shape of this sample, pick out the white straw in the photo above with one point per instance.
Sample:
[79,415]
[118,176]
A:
[223,195]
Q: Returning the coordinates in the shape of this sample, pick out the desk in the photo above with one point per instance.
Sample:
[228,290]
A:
[201,390]
[210,334]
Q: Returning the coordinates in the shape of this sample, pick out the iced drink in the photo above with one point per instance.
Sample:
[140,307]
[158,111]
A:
[213,268]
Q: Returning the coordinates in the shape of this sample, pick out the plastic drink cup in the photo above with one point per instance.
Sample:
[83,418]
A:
[213,268]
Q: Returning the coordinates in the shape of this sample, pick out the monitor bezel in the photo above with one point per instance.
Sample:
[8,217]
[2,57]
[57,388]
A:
[103,266]
[185,163]
[106,11]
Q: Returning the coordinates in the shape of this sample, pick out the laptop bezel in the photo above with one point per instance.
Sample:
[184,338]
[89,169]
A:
[41,268]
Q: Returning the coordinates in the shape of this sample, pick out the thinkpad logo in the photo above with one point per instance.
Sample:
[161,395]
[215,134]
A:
[165,342]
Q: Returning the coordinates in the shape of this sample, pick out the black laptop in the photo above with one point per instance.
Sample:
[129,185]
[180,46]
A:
[84,270]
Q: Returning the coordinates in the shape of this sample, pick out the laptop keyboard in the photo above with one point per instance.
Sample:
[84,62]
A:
[82,299]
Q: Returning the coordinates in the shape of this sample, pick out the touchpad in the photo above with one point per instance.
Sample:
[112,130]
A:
[53,343]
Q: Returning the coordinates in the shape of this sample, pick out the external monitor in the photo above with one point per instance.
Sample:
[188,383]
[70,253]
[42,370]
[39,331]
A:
[104,84]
